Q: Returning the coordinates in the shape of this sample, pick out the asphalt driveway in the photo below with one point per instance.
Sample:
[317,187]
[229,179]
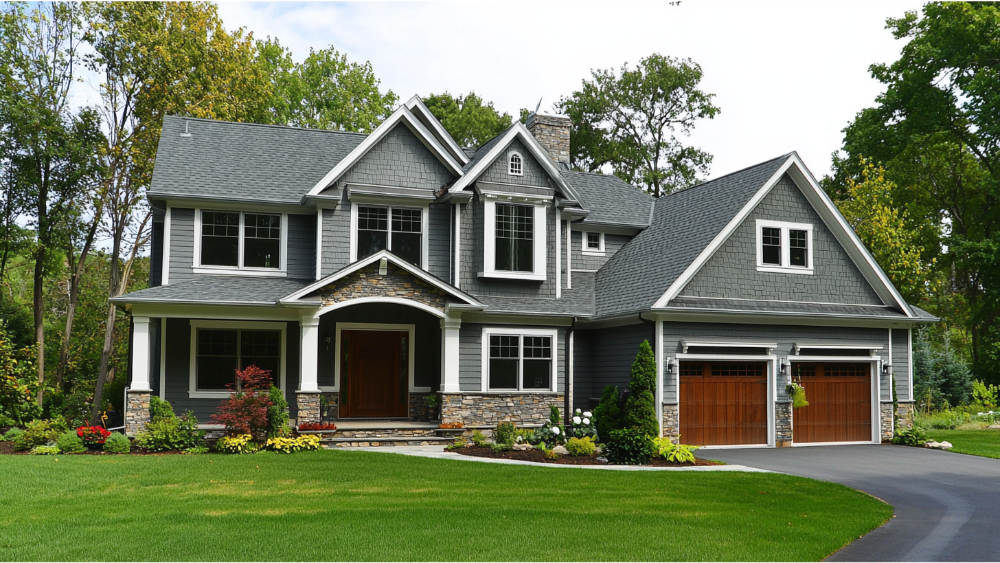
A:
[947,504]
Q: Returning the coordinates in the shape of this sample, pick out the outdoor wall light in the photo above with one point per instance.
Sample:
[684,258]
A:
[326,341]
[886,369]
[670,366]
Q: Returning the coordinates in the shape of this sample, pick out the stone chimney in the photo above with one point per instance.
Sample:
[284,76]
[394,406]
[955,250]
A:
[552,132]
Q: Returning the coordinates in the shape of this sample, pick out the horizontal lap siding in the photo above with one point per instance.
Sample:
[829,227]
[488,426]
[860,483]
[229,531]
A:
[785,336]
[336,238]
[612,351]
[301,259]
[901,363]
[439,246]
[181,244]
[583,385]
[178,369]
[471,356]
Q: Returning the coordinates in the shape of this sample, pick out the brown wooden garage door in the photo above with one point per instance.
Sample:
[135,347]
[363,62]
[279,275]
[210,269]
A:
[723,403]
[840,403]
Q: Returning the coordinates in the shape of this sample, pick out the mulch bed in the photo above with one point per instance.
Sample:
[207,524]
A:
[538,456]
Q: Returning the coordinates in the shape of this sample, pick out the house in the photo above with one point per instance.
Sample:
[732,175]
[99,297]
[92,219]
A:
[368,271]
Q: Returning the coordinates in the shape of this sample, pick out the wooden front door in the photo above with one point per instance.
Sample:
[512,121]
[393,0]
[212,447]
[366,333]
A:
[840,403]
[374,371]
[723,403]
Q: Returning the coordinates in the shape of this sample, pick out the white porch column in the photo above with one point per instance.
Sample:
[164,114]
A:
[140,354]
[309,358]
[449,354]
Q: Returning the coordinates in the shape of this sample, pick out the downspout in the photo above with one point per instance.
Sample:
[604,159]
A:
[568,386]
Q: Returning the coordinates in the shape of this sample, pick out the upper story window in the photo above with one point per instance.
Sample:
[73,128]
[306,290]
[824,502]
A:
[593,244]
[784,247]
[514,234]
[398,230]
[241,240]
[516,165]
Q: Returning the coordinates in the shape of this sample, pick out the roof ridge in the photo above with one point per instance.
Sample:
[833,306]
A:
[271,125]
[741,170]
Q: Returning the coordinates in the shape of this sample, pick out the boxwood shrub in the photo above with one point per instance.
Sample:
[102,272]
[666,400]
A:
[629,447]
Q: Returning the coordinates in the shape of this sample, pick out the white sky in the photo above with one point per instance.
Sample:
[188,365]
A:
[787,75]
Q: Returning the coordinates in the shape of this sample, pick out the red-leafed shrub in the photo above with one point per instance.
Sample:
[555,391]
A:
[313,426]
[92,435]
[245,411]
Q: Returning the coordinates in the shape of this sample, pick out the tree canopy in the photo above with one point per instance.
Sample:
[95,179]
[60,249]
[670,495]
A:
[468,119]
[632,120]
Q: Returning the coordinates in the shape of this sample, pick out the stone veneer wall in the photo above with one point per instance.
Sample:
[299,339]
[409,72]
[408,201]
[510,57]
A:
[783,413]
[396,283]
[489,409]
[671,421]
[308,404]
[904,415]
[417,406]
[885,413]
[136,412]
[552,132]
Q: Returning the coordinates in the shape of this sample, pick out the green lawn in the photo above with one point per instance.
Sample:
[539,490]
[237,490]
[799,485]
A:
[343,505]
[984,443]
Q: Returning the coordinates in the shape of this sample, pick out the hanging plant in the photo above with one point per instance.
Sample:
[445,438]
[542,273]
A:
[798,395]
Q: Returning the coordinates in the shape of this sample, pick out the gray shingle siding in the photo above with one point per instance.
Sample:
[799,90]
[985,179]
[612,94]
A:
[471,356]
[612,351]
[399,159]
[439,237]
[301,259]
[612,244]
[181,244]
[336,238]
[901,363]
[732,271]
[784,335]
[533,173]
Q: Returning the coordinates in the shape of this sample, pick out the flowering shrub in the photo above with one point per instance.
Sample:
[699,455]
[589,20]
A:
[290,445]
[239,444]
[246,409]
[552,432]
[313,426]
[582,425]
[92,435]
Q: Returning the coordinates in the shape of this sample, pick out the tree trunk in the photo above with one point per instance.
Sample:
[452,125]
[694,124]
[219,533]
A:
[74,294]
[39,319]
[109,338]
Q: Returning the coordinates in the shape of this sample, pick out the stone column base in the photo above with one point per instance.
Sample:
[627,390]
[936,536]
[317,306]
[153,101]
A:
[490,409]
[885,416]
[137,411]
[904,415]
[671,421]
[308,404]
[783,432]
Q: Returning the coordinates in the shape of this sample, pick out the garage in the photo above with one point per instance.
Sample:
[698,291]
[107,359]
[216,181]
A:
[840,403]
[723,403]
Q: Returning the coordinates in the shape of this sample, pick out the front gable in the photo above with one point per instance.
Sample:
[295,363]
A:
[532,172]
[399,159]
[732,272]
[394,283]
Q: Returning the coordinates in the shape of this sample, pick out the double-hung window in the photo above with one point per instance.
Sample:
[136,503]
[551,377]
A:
[399,230]
[220,350]
[784,247]
[593,244]
[514,238]
[519,361]
[233,239]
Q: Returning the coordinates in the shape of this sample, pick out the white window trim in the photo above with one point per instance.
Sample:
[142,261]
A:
[280,272]
[586,251]
[165,265]
[510,158]
[193,391]
[489,244]
[521,332]
[425,230]
[410,349]
[784,268]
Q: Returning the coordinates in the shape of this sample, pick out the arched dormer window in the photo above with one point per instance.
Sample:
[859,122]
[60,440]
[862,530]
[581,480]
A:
[516,168]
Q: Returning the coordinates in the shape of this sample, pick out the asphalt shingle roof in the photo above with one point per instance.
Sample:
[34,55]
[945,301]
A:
[638,274]
[219,290]
[610,200]
[578,301]
[245,161]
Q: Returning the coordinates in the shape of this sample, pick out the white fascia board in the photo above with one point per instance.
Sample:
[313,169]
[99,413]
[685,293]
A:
[517,131]
[415,104]
[417,272]
[846,236]
[720,238]
[401,114]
